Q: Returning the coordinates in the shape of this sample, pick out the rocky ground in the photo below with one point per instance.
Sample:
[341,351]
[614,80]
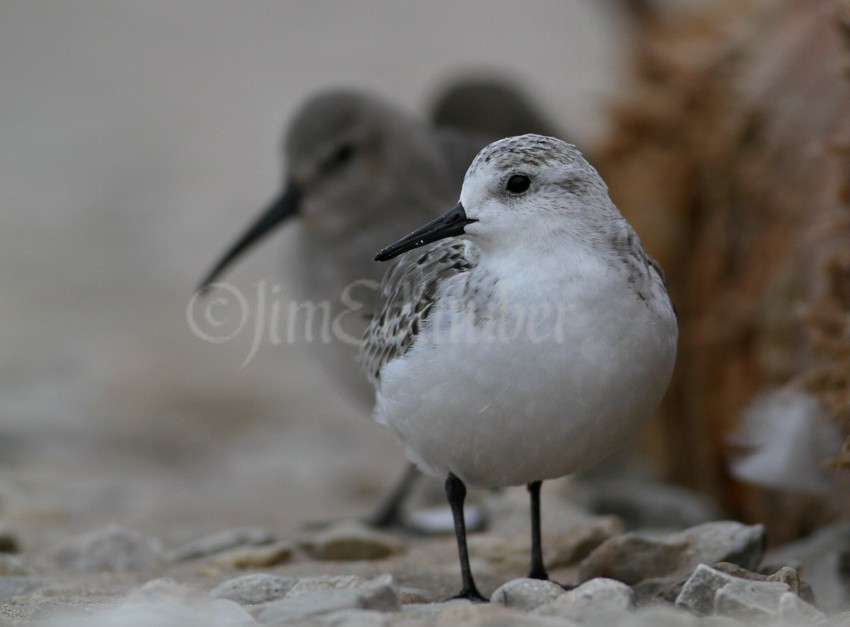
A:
[343,573]
[134,453]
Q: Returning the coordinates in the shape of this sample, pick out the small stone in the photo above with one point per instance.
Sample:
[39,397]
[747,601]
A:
[788,576]
[112,549]
[633,557]
[699,590]
[526,594]
[569,546]
[563,547]
[733,591]
[785,574]
[597,598]
[309,585]
[744,599]
[414,595]
[505,552]
[246,557]
[351,540]
[657,589]
[219,542]
[380,594]
[254,588]
[508,512]
[162,588]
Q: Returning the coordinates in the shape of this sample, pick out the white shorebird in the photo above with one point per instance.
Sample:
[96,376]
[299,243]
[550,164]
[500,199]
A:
[359,170]
[533,343]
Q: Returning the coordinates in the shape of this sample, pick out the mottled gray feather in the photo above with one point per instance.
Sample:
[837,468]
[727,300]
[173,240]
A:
[405,299]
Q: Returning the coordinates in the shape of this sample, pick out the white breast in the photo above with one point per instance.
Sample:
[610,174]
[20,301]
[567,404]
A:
[553,381]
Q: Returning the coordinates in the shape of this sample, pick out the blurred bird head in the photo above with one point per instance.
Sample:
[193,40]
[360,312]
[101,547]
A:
[346,155]
[493,106]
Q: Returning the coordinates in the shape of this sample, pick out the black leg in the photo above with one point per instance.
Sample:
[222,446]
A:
[456,493]
[538,571]
[388,515]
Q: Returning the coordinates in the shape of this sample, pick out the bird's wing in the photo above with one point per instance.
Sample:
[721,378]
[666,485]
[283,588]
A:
[406,296]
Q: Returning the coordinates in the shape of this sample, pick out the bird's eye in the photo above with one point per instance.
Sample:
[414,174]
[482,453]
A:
[342,155]
[518,184]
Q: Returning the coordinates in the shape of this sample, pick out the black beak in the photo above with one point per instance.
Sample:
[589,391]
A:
[447,225]
[281,209]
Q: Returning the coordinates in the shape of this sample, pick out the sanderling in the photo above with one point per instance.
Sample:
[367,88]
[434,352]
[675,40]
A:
[531,344]
[359,170]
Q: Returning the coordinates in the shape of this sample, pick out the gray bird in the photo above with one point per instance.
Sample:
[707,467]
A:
[531,340]
[358,170]
[494,107]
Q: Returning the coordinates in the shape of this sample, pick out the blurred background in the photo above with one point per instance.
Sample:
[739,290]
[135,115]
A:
[139,138]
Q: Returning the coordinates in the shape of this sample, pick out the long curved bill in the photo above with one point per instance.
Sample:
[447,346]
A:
[447,225]
[285,206]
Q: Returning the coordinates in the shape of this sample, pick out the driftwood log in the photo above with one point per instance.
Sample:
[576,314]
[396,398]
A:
[730,153]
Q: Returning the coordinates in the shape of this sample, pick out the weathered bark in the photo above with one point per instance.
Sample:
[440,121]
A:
[731,155]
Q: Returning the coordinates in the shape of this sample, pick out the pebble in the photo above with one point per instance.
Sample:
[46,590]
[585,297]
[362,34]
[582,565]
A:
[657,589]
[378,594]
[785,574]
[309,585]
[746,600]
[249,557]
[219,542]
[699,590]
[507,511]
[254,588]
[349,541]
[526,594]
[563,547]
[597,599]
[112,549]
[710,591]
[633,557]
